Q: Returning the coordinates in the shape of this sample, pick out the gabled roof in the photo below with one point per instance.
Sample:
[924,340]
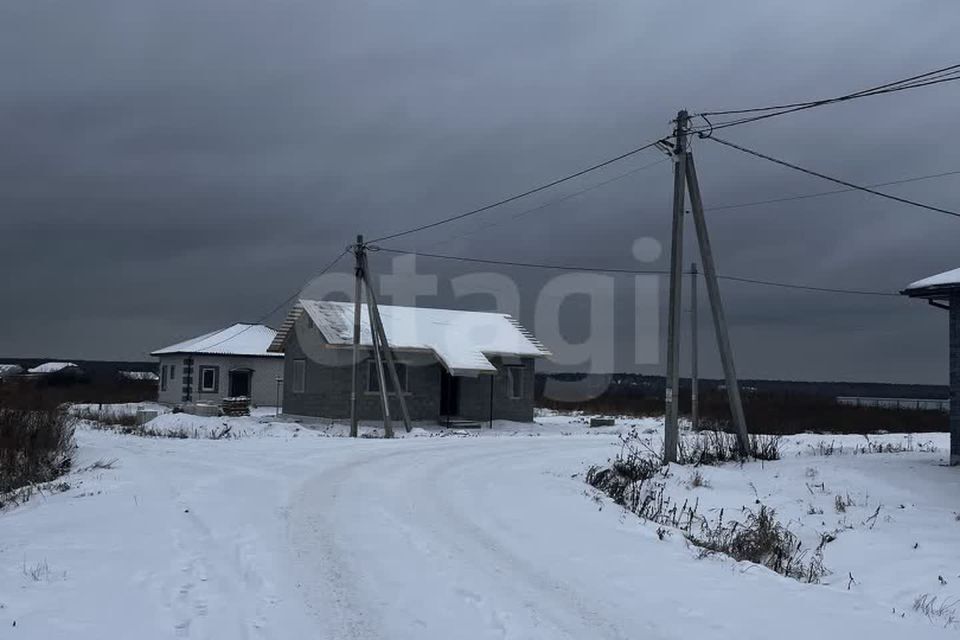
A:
[52,367]
[240,339]
[462,341]
[935,286]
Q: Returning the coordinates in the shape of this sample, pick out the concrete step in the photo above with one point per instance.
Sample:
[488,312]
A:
[459,423]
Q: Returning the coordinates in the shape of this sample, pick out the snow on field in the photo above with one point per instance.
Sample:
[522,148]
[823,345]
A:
[894,517]
[288,532]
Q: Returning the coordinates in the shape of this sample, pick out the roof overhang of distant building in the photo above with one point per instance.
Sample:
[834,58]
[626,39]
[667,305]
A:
[936,288]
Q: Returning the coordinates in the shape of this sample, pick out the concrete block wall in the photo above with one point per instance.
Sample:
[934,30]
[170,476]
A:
[475,395]
[328,385]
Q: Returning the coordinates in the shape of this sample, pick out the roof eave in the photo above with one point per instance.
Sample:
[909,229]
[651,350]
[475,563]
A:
[933,292]
[543,353]
[158,354]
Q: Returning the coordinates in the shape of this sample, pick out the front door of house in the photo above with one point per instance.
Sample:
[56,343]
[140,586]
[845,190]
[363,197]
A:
[240,383]
[449,394]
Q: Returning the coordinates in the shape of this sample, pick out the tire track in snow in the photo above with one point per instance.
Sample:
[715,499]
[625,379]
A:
[208,568]
[317,552]
[491,543]
[457,557]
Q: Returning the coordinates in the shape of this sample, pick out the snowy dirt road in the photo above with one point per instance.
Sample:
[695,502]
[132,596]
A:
[492,538]
[294,535]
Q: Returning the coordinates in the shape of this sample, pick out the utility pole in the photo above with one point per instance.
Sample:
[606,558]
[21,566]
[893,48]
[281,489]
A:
[716,306]
[671,398]
[376,327]
[380,345]
[381,379]
[694,374]
[358,250]
[685,181]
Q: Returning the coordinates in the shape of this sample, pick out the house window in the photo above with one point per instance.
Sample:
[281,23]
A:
[173,372]
[163,378]
[299,375]
[515,382]
[209,379]
[373,381]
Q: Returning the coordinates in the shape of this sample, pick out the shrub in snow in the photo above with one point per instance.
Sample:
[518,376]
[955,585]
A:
[762,539]
[35,446]
[841,503]
[107,417]
[697,480]
[636,480]
[936,609]
[871,446]
[716,447]
[224,432]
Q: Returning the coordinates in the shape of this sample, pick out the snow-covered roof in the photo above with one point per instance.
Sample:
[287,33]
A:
[946,280]
[140,375]
[52,367]
[10,370]
[240,339]
[461,340]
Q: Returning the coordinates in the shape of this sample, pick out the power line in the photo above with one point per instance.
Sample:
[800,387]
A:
[928,75]
[734,123]
[832,192]
[530,265]
[787,285]
[836,180]
[593,269]
[938,76]
[518,196]
[945,74]
[290,298]
[550,203]
[711,127]
[948,74]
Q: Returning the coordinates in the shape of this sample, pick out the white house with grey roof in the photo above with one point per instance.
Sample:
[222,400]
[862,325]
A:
[227,363]
[452,365]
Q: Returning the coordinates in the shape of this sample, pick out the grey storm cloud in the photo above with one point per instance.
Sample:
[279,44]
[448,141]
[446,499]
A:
[167,168]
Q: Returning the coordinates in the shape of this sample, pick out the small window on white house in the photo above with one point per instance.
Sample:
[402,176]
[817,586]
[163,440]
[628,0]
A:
[299,375]
[163,378]
[173,372]
[373,381]
[515,382]
[209,379]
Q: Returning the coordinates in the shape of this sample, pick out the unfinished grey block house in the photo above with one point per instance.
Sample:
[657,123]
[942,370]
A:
[943,291]
[452,365]
[228,363]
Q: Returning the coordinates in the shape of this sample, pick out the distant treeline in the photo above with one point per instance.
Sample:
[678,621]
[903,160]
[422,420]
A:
[632,384]
[773,407]
[99,383]
[100,369]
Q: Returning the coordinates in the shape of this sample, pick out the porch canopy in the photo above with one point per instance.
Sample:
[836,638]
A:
[936,289]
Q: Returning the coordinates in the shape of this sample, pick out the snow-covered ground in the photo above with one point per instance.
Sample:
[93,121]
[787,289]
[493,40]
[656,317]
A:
[292,532]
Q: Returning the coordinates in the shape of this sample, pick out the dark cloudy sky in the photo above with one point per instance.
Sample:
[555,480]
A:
[170,167]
